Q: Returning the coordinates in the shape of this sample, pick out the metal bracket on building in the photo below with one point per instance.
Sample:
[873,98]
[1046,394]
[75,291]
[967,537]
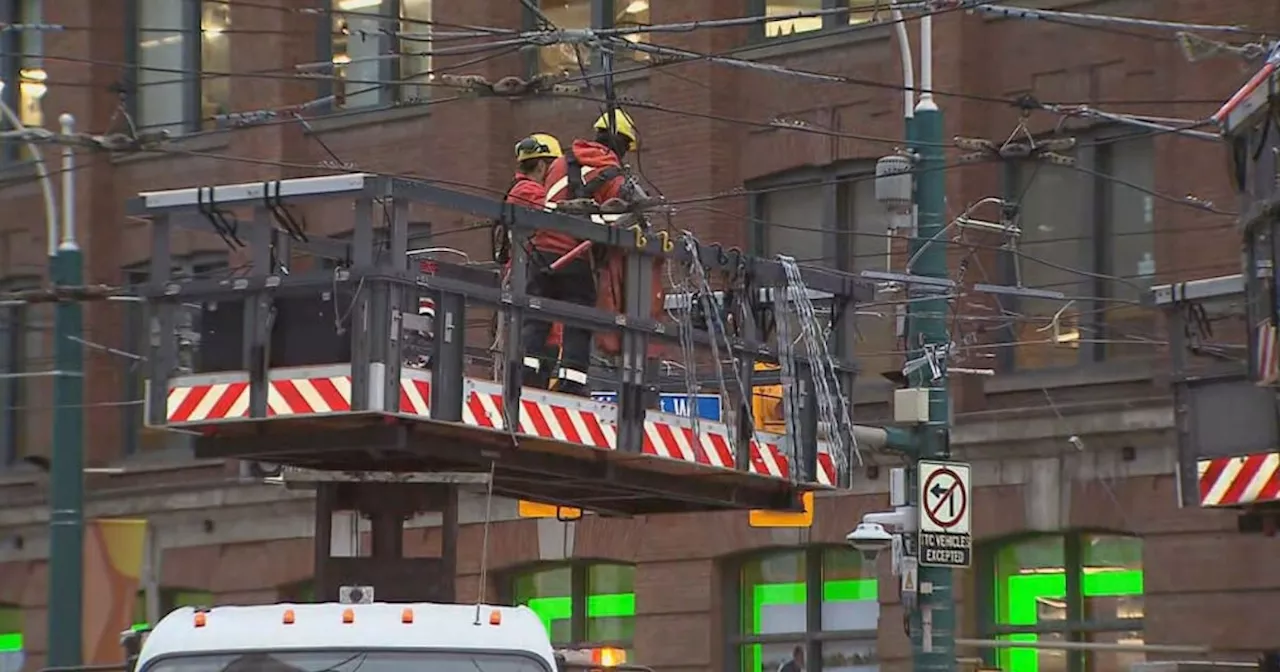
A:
[298,478]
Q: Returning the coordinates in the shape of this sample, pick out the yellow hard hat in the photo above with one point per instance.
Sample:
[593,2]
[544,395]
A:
[622,125]
[538,146]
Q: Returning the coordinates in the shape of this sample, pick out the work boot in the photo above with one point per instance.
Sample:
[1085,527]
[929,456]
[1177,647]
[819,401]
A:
[535,378]
[572,387]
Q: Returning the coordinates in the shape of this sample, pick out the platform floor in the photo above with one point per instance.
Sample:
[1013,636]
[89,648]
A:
[561,449]
[532,468]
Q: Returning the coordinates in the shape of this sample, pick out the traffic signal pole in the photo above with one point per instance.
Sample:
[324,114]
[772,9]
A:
[932,623]
[66,472]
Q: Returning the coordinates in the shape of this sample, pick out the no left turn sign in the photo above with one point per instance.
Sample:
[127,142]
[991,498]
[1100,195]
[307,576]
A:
[943,500]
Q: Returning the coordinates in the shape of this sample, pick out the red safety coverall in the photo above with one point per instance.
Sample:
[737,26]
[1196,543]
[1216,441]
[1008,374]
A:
[601,179]
[530,193]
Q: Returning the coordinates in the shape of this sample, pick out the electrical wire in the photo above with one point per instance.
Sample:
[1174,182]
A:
[747,122]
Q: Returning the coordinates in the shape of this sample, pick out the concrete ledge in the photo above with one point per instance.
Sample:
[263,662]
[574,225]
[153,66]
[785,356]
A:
[1082,424]
[222,515]
[343,119]
[1117,372]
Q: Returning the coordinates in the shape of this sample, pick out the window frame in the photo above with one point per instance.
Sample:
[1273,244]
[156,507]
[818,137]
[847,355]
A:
[136,329]
[1075,626]
[417,233]
[756,31]
[602,14]
[389,69]
[12,613]
[192,65]
[1094,157]
[579,586]
[13,361]
[834,179]
[11,62]
[813,635]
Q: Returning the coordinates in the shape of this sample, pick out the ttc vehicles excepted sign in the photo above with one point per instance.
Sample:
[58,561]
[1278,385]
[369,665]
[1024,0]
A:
[944,503]
[707,405]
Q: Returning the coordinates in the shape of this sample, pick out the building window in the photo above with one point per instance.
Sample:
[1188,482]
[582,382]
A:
[859,11]
[137,437]
[167,96]
[419,239]
[24,355]
[1075,588]
[632,14]
[1079,222]
[361,46]
[12,333]
[581,603]
[22,62]
[817,606]
[578,14]
[831,217]
[170,599]
[11,656]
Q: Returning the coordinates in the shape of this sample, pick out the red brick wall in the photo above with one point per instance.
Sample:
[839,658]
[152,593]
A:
[688,156]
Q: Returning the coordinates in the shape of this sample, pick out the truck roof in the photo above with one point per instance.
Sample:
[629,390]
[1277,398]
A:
[409,626]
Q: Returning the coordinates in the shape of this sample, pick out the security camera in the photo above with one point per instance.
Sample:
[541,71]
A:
[870,539]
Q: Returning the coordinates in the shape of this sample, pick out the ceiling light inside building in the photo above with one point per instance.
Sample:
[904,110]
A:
[637,6]
[351,5]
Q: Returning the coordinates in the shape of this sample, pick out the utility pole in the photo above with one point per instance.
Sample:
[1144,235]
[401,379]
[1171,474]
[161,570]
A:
[932,623]
[66,472]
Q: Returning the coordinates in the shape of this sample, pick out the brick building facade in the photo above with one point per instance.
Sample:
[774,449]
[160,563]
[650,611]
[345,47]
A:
[1080,542]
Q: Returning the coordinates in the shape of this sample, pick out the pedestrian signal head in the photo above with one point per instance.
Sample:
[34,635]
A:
[538,146]
[622,125]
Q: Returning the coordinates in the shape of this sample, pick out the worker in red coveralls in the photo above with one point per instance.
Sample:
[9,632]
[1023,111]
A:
[591,169]
[534,155]
[619,137]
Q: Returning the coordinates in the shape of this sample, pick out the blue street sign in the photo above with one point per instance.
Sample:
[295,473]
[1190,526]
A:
[708,405]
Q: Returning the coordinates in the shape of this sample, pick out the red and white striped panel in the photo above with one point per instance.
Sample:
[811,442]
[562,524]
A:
[827,469]
[1251,97]
[286,396]
[415,396]
[1233,481]
[662,439]
[317,396]
[549,421]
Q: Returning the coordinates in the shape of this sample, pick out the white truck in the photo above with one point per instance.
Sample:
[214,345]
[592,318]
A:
[369,637]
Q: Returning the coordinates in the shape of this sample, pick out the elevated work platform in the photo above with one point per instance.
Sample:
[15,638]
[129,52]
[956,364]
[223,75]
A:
[1225,366]
[561,440]
[338,370]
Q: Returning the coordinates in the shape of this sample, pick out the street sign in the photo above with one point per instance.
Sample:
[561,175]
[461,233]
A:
[944,503]
[707,405]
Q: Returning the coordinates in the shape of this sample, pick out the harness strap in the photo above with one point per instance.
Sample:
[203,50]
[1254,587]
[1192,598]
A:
[605,176]
[573,171]
[501,239]
[579,189]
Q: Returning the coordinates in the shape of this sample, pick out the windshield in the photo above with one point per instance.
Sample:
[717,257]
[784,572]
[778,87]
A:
[349,661]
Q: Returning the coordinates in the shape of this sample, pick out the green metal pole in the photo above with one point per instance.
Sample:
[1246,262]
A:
[933,621]
[66,484]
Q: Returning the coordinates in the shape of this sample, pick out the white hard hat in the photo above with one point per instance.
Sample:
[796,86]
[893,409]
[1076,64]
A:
[427,307]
